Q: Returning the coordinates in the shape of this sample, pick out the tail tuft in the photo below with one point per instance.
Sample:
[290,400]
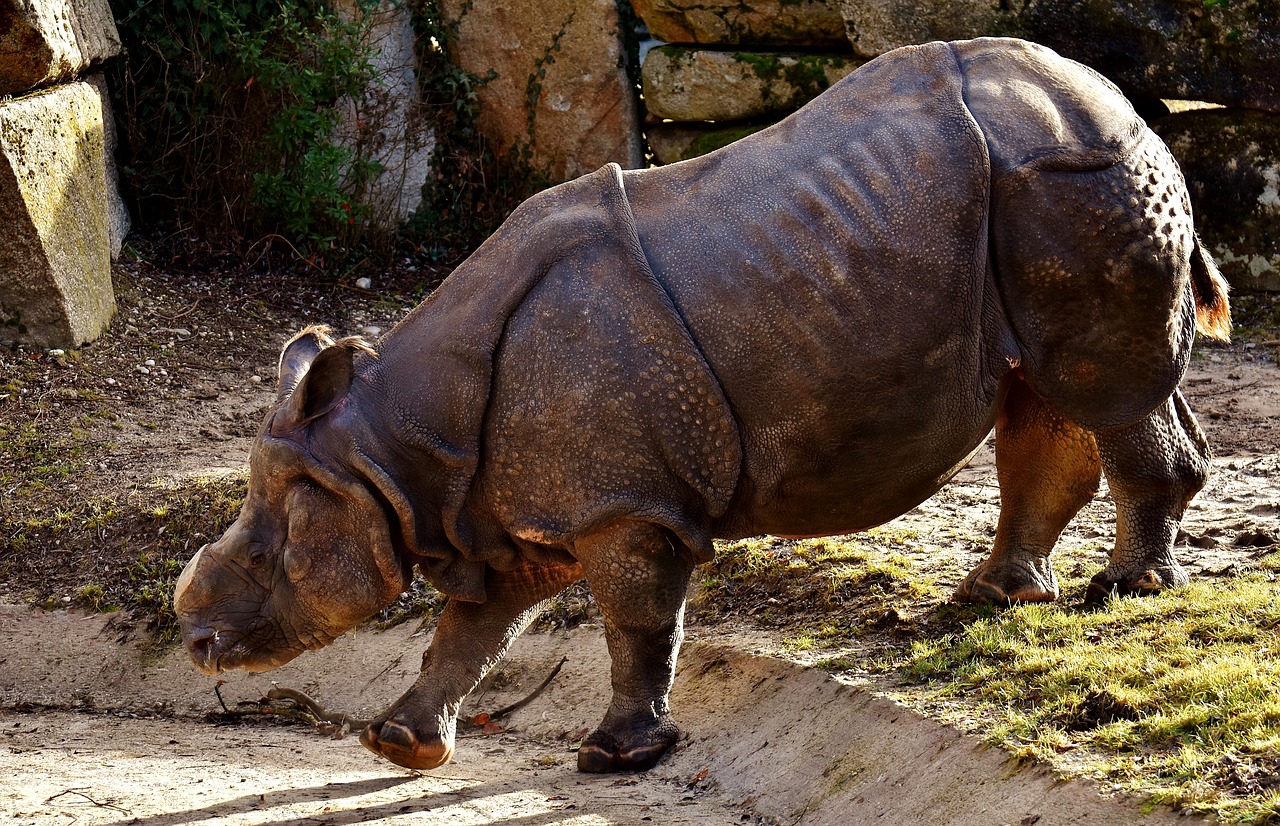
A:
[1213,312]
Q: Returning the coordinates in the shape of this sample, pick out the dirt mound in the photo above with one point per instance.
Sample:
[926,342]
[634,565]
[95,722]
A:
[99,731]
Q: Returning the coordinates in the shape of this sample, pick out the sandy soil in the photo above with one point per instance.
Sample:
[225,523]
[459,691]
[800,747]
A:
[94,732]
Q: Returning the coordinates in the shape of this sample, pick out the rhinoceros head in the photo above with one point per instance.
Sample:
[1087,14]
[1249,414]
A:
[310,555]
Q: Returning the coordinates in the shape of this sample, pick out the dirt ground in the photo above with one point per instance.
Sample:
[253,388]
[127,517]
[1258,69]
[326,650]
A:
[93,730]
[96,728]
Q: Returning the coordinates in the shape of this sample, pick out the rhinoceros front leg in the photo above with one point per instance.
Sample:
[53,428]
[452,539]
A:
[1154,468]
[1048,469]
[418,730]
[639,578]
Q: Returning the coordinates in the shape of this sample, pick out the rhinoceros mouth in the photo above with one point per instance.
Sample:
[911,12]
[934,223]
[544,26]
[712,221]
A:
[215,650]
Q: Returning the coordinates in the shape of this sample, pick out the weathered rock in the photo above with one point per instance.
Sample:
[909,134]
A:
[118,220]
[47,41]
[559,85]
[738,23]
[1224,52]
[673,142]
[698,85]
[388,122]
[1231,159]
[55,262]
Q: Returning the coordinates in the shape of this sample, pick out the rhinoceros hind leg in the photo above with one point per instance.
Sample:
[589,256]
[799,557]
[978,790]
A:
[1048,469]
[639,577]
[1154,469]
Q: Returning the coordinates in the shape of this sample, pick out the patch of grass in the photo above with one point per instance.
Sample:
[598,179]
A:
[831,588]
[1174,697]
[93,596]
[569,609]
[419,601]
[1255,317]
[108,553]
[41,455]
[817,638]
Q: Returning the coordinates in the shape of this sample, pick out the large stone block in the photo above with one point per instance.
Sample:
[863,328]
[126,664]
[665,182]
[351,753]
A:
[118,219]
[47,41]
[388,123]
[738,23]
[55,262]
[699,85]
[1224,52]
[673,142]
[559,81]
[1231,159]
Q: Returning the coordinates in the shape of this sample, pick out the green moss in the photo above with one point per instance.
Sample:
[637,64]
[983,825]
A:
[806,74]
[713,140]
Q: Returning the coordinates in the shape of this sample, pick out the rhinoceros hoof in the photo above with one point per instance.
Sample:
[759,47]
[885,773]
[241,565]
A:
[602,752]
[401,746]
[1033,582]
[1106,584]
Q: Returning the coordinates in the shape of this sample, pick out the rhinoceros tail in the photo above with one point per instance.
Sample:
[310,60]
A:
[1213,312]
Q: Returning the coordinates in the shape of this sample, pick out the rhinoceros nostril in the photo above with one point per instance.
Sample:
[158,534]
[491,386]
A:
[202,644]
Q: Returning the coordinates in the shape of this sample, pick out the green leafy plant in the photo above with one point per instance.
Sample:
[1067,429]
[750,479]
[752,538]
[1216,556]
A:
[306,68]
[229,111]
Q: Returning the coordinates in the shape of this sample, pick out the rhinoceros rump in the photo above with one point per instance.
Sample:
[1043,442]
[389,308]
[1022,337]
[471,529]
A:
[805,333]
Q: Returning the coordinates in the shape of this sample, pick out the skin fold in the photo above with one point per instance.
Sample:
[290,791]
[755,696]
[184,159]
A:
[805,333]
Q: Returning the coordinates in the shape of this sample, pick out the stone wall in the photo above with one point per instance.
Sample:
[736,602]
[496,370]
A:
[59,204]
[558,84]
[387,124]
[722,69]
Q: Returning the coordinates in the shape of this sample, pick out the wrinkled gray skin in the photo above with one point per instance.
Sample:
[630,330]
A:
[805,333]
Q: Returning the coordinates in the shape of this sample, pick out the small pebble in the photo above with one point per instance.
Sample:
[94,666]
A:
[255,379]
[146,371]
[111,381]
[150,362]
[57,352]
[364,283]
[372,330]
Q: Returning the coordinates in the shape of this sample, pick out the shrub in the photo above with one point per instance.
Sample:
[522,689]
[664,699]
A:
[228,112]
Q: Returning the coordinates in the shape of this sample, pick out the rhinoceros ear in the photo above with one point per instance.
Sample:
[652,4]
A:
[297,355]
[320,388]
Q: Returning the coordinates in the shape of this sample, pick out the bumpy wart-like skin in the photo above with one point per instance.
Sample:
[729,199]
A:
[805,333]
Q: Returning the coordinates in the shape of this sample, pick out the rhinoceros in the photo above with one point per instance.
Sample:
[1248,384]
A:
[804,333]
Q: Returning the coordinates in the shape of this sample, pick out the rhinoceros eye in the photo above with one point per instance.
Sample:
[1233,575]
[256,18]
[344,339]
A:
[256,559]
